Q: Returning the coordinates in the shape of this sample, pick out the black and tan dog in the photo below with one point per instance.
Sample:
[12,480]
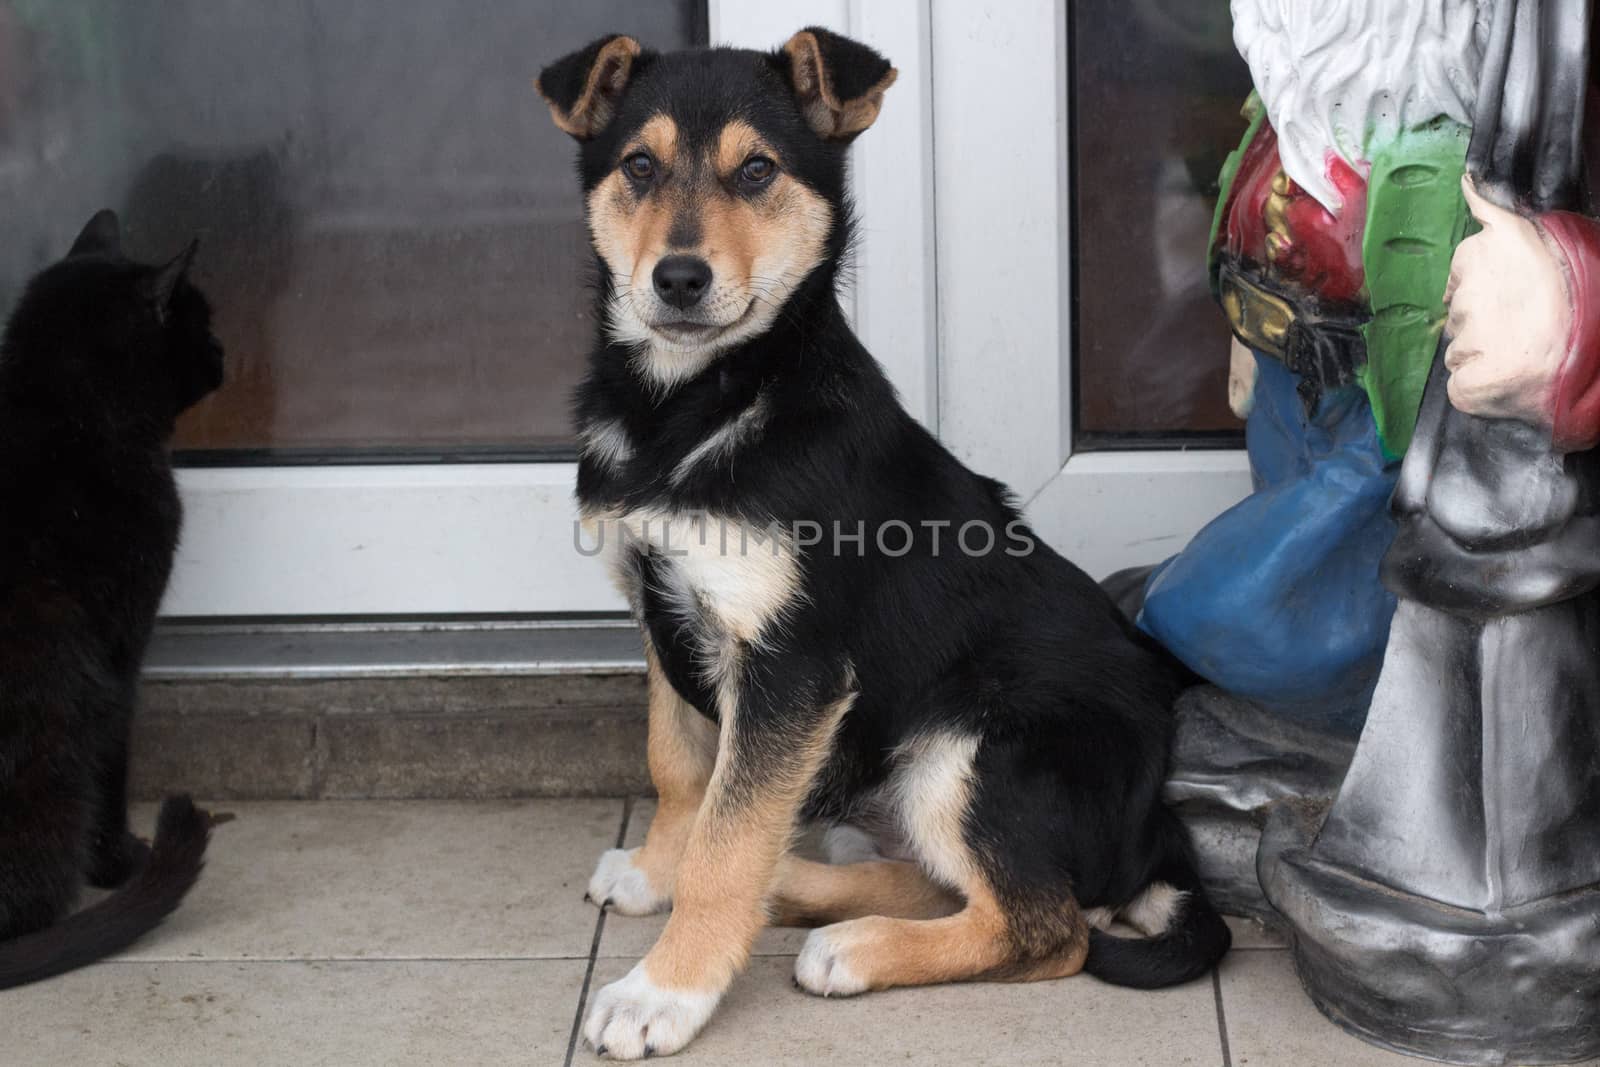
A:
[843,623]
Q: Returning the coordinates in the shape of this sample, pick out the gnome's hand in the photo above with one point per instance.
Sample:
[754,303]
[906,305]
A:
[1510,317]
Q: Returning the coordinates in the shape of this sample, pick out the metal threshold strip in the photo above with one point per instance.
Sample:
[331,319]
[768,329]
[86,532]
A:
[204,650]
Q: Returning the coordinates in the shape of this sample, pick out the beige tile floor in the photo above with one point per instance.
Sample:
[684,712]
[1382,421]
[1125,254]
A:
[441,933]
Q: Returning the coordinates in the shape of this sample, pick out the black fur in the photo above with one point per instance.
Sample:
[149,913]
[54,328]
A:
[1070,703]
[99,357]
[119,920]
[1195,939]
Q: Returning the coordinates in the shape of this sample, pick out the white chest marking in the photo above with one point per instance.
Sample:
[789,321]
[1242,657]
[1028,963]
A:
[740,575]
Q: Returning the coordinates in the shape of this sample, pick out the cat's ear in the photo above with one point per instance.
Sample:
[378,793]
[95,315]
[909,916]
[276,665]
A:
[165,281]
[101,236]
[583,88]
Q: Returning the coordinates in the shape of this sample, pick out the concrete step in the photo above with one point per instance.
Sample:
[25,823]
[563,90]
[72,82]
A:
[559,735]
[473,713]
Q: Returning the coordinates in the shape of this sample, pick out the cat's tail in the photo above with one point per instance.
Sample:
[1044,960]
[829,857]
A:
[127,914]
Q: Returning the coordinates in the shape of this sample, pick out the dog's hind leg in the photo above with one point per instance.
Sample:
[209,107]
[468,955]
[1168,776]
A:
[1031,930]
[978,941]
[815,894]
[682,751]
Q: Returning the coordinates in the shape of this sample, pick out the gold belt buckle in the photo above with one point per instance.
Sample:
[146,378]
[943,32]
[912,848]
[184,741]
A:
[1260,319]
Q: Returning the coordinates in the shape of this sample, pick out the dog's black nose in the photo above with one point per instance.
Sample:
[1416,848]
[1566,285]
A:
[682,280]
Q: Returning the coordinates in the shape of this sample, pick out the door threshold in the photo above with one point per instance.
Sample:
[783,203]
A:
[203,650]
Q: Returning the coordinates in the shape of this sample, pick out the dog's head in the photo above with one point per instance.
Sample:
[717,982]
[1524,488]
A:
[713,180]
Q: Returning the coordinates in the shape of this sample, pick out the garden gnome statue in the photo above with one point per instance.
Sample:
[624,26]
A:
[1449,903]
[1330,253]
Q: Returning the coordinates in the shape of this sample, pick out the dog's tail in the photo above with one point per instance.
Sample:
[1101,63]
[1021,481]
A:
[1192,942]
[122,918]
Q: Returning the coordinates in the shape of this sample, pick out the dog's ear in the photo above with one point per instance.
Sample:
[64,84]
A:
[582,89]
[839,82]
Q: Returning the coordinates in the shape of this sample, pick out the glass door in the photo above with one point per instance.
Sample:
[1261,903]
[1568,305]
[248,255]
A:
[391,233]
[392,239]
[390,230]
[1080,358]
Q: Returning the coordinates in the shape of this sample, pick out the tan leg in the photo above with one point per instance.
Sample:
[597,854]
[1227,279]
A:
[815,894]
[932,786]
[977,942]
[682,752]
[742,831]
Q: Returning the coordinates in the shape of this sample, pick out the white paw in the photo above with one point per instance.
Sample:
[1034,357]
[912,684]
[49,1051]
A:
[634,1018]
[822,969]
[627,889]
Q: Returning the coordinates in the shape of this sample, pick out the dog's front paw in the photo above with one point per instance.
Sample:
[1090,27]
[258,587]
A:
[624,886]
[824,966]
[634,1018]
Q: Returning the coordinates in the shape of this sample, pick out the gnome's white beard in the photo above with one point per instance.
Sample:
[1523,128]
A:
[1343,76]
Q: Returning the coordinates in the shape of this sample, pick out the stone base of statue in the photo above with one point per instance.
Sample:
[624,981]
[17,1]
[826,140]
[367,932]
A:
[1438,886]
[1428,979]
[1447,903]
[1231,763]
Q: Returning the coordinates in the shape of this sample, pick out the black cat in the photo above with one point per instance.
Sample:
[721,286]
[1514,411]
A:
[100,356]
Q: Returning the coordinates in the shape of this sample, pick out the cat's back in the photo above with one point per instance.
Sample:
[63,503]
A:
[91,525]
[86,486]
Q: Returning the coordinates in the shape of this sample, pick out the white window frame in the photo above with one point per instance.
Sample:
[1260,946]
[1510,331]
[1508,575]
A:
[961,292]
[1004,240]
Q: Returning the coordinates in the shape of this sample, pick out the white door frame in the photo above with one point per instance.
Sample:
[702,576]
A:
[961,292]
[1004,240]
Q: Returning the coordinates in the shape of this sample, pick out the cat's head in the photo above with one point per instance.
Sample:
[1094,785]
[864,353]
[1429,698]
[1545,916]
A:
[101,328]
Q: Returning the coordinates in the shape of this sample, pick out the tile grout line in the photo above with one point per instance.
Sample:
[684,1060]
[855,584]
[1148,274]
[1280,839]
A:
[594,946]
[1222,1017]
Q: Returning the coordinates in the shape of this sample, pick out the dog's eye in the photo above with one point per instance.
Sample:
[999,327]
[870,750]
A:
[758,170]
[640,167]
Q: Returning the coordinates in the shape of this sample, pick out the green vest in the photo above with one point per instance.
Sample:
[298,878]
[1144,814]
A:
[1416,216]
